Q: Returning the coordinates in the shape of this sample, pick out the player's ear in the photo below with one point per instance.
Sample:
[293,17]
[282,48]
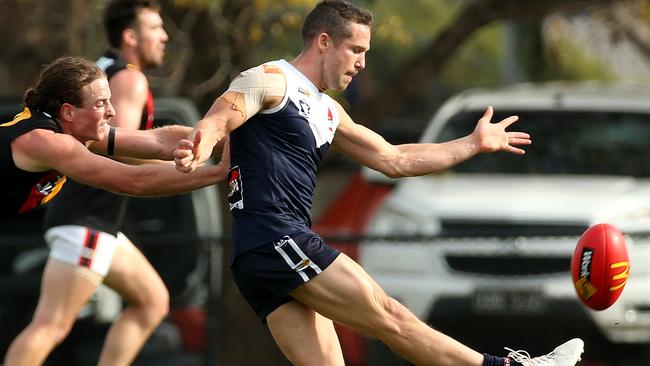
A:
[323,41]
[129,37]
[66,112]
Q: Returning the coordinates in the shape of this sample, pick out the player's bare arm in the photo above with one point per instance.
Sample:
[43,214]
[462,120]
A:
[129,89]
[158,143]
[42,150]
[370,149]
[220,120]
[256,89]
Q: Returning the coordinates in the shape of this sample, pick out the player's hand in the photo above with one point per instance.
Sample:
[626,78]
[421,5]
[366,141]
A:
[493,137]
[225,155]
[184,157]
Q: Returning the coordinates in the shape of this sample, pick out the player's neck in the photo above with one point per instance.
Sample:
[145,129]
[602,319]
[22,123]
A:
[130,56]
[311,67]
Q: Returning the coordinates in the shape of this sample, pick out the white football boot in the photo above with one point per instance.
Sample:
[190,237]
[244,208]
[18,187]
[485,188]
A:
[566,354]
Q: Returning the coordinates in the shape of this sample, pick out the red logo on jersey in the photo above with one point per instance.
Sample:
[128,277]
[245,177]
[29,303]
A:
[330,118]
[43,191]
[236,194]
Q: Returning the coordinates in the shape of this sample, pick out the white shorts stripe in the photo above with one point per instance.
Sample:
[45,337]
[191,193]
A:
[304,257]
[303,264]
[290,263]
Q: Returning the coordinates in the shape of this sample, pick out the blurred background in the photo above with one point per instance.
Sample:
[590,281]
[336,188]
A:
[422,52]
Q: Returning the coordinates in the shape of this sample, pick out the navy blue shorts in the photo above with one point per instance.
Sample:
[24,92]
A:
[267,274]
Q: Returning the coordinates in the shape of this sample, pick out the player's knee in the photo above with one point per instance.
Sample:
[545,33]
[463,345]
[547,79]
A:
[301,358]
[380,314]
[153,307]
[55,330]
[157,307]
[161,302]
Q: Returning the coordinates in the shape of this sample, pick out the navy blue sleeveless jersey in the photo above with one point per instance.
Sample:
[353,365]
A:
[274,158]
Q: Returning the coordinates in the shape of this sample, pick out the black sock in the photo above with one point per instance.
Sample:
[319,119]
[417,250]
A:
[489,360]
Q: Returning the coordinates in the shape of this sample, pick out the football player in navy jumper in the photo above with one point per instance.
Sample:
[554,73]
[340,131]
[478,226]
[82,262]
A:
[281,123]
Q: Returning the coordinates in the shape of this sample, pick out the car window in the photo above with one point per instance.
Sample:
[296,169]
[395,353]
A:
[566,142]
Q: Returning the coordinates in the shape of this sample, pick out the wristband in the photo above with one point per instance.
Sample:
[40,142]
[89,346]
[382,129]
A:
[110,148]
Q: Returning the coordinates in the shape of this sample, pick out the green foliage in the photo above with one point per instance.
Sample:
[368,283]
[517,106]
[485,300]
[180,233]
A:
[643,11]
[402,28]
[276,34]
[566,61]
[200,4]
[478,61]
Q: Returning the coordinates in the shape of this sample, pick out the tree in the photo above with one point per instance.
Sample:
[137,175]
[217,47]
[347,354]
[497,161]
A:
[414,75]
[211,41]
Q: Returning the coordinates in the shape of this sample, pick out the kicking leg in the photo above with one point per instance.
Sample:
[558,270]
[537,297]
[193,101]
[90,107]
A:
[345,293]
[304,336]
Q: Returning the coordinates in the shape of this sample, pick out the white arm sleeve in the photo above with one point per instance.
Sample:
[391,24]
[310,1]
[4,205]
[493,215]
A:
[248,90]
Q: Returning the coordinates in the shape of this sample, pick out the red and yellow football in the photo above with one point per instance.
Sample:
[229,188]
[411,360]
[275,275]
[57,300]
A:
[600,266]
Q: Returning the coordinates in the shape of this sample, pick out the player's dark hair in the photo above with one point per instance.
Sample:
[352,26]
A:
[332,17]
[61,81]
[122,14]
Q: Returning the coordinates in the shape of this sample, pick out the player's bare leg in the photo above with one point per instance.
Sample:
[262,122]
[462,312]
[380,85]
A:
[345,293]
[294,324]
[64,290]
[133,277]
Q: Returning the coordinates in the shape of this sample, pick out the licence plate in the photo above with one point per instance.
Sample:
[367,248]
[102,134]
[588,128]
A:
[507,301]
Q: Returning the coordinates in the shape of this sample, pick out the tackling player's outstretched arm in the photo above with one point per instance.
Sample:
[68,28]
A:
[42,150]
[370,149]
[130,89]
[158,143]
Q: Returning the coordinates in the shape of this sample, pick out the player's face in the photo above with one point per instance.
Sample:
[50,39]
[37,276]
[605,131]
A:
[91,120]
[152,38]
[346,59]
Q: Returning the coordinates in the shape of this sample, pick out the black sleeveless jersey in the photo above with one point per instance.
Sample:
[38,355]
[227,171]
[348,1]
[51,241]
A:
[20,190]
[79,204]
[112,63]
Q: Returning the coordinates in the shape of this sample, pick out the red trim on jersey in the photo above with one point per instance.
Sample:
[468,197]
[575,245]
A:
[50,183]
[147,117]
